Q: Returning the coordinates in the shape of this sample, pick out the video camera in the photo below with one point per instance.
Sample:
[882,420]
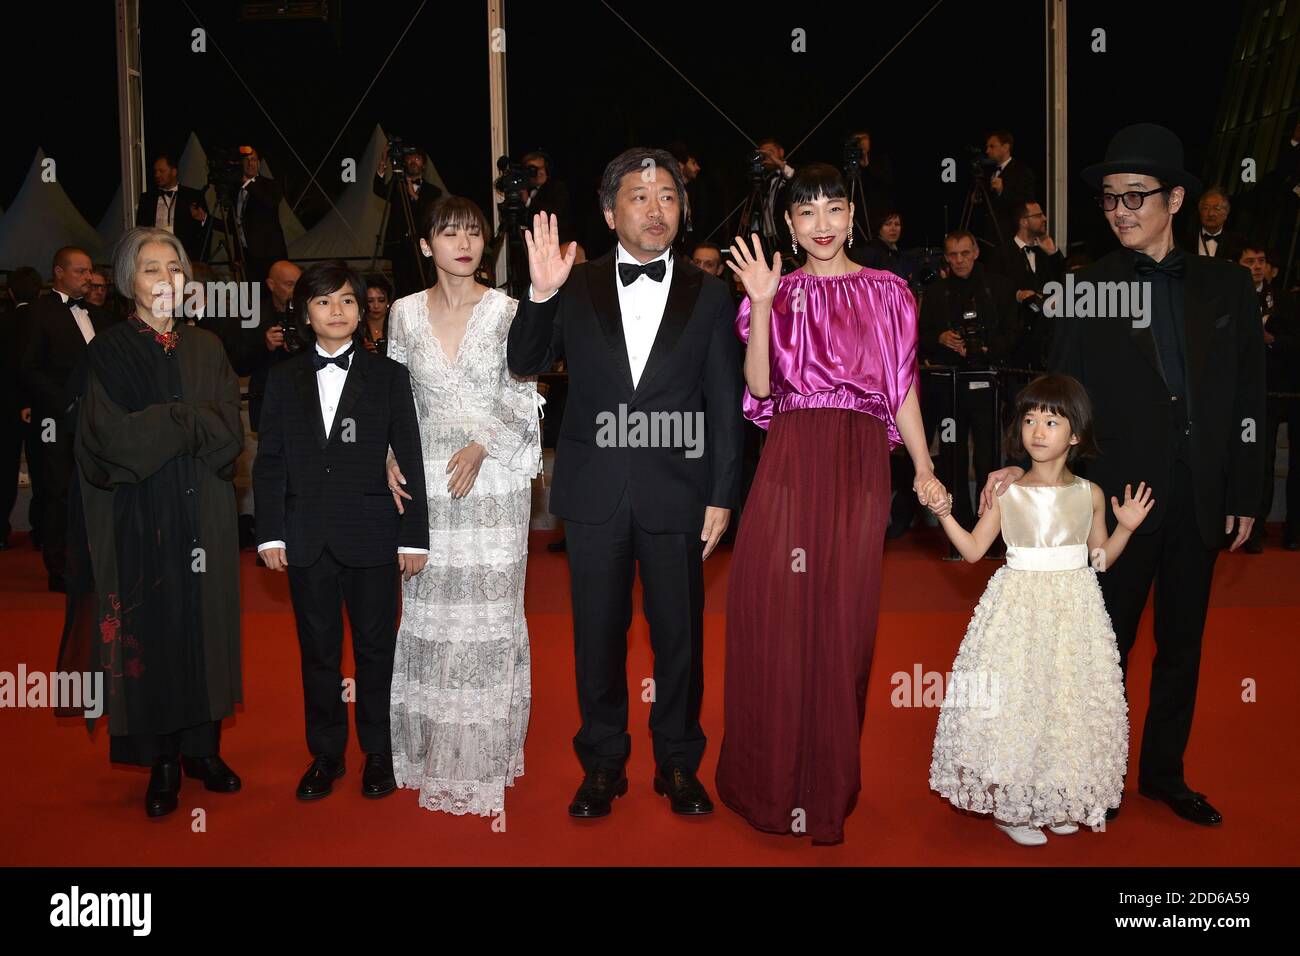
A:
[397,153]
[980,164]
[226,173]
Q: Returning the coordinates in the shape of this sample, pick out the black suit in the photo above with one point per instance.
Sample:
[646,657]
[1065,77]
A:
[401,247]
[185,227]
[1202,464]
[263,237]
[1227,247]
[624,505]
[54,376]
[1018,185]
[327,499]
[1282,375]
[1035,341]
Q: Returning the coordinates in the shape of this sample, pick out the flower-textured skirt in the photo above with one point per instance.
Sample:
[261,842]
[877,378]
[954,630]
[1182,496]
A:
[1034,724]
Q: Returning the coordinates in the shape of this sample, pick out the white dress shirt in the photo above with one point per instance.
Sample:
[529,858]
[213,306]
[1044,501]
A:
[329,384]
[1032,260]
[642,304]
[165,214]
[1205,248]
[82,317]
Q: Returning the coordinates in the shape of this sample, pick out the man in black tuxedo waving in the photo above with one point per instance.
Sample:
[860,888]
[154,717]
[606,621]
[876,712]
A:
[645,336]
[1178,402]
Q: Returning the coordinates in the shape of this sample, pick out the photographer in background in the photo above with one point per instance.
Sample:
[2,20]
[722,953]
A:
[968,320]
[178,209]
[401,244]
[1030,259]
[277,336]
[548,194]
[1010,183]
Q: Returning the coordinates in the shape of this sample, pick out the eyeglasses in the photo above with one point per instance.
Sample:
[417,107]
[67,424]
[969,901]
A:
[1132,200]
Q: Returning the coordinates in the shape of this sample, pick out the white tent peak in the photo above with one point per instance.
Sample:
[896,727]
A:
[40,220]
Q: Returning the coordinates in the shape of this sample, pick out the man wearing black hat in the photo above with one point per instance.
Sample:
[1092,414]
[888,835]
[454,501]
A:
[1178,396]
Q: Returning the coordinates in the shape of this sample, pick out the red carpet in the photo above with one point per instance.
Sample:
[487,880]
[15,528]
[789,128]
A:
[63,804]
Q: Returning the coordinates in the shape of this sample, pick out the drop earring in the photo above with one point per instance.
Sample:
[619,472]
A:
[794,246]
[850,235]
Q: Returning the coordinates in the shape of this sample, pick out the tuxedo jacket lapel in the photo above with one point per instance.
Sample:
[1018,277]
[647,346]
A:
[677,312]
[309,394]
[604,302]
[1199,307]
[1141,336]
[353,386]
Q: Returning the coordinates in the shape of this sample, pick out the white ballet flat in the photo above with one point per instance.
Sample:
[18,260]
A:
[1025,836]
[1064,829]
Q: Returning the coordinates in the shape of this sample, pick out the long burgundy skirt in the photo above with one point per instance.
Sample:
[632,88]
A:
[801,622]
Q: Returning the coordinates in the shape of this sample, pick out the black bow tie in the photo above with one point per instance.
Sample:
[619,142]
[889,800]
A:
[1174,264]
[1206,237]
[628,271]
[342,360]
[79,303]
[1031,251]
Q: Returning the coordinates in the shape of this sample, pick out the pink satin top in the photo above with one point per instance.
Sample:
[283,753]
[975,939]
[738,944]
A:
[844,341]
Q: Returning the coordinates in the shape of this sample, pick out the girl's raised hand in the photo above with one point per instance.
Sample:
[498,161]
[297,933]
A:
[1135,508]
[759,279]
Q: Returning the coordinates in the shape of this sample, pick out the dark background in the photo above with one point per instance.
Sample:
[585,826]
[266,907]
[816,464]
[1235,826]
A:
[584,86]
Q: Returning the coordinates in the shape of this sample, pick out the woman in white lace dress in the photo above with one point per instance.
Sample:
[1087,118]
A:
[461,689]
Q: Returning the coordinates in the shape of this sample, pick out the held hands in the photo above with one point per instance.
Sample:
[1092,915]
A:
[548,268]
[931,493]
[760,280]
[1135,508]
[464,466]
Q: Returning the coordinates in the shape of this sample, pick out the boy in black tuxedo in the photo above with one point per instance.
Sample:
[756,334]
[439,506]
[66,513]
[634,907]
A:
[324,514]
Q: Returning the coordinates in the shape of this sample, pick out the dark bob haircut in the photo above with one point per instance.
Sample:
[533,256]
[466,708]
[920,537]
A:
[814,181]
[1058,395]
[454,212]
[634,160]
[325,278]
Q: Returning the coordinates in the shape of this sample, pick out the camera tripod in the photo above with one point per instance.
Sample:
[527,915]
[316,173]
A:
[399,195]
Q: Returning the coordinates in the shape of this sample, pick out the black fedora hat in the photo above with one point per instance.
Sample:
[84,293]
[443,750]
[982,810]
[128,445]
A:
[1148,149]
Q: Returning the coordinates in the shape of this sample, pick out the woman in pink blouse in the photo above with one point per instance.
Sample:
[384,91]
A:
[830,369]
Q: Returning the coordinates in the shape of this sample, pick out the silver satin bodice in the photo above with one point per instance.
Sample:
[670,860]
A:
[1046,528]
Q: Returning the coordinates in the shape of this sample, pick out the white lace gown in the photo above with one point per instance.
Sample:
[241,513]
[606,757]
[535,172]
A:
[461,685]
[1034,723]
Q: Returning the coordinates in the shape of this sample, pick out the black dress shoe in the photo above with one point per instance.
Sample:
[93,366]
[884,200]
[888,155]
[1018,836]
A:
[685,793]
[1190,806]
[599,789]
[214,773]
[319,779]
[164,788]
[377,778]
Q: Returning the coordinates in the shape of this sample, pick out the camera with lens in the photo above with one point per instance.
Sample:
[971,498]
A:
[758,166]
[929,260]
[397,153]
[972,334]
[852,158]
[980,165]
[226,174]
[514,180]
[293,337]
